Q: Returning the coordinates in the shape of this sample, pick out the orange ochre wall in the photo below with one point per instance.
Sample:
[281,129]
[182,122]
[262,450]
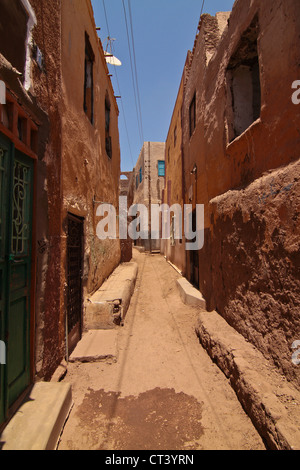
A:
[249,266]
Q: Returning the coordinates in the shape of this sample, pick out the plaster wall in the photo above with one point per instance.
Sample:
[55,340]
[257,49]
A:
[90,176]
[46,89]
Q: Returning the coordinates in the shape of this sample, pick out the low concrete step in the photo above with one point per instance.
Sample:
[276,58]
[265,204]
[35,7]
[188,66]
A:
[190,295]
[108,306]
[38,423]
[96,346]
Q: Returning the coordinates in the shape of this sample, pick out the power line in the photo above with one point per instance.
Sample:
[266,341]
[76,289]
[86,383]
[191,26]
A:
[134,57]
[133,78]
[119,90]
[202,7]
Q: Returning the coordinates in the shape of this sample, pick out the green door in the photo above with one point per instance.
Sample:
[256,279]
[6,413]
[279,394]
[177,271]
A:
[16,191]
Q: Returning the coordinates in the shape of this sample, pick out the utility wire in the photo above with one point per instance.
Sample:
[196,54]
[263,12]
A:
[132,73]
[202,7]
[123,111]
[135,67]
[119,90]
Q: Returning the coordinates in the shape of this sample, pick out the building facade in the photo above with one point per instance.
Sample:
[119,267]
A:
[241,161]
[149,175]
[126,191]
[173,248]
[60,158]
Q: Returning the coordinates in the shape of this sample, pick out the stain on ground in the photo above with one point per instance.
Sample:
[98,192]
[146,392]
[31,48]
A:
[157,419]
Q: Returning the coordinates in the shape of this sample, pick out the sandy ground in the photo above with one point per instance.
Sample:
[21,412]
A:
[164,392]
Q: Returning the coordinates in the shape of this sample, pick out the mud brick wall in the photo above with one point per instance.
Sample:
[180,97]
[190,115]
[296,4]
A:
[256,263]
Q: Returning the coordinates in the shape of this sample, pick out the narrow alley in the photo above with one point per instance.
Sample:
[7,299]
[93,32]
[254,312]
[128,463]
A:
[149,254]
[164,392]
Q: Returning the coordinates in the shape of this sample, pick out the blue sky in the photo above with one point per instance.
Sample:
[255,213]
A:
[163,31]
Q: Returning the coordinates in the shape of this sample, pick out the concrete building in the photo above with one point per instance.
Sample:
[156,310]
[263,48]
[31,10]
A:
[174,248]
[60,157]
[149,175]
[127,190]
[241,150]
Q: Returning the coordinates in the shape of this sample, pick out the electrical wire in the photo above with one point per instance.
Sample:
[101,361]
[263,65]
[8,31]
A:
[202,7]
[133,77]
[135,67]
[119,90]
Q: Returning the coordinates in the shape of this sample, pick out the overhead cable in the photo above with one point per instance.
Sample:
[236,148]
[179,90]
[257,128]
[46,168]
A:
[133,77]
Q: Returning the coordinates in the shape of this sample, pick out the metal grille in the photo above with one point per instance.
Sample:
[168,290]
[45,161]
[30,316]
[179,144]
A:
[74,247]
[21,214]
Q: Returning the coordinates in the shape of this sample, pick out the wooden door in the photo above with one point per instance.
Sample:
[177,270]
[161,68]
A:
[15,271]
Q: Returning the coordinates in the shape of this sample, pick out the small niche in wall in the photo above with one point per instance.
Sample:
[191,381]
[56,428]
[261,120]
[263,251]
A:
[243,83]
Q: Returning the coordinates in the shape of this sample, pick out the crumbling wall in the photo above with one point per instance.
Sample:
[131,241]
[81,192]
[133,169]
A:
[256,258]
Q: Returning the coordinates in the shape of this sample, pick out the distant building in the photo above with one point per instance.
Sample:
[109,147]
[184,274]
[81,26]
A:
[149,176]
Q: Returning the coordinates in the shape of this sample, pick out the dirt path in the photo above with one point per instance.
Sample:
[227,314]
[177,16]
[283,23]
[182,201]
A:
[164,392]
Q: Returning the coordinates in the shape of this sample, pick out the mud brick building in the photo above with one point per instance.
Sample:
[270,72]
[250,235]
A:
[59,159]
[127,190]
[241,148]
[149,175]
[174,248]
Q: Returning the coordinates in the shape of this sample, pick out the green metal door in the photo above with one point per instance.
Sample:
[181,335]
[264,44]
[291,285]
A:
[16,191]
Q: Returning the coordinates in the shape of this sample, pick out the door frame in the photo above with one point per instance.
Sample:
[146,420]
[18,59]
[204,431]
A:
[73,336]
[14,144]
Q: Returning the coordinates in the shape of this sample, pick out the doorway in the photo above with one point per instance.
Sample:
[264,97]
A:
[74,280]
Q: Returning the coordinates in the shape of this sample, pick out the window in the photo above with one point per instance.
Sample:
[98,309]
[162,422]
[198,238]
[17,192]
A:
[89,80]
[192,115]
[161,168]
[243,78]
[141,175]
[108,146]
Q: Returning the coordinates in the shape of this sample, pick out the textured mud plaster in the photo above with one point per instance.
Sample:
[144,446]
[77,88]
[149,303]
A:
[46,89]
[256,256]
[90,174]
